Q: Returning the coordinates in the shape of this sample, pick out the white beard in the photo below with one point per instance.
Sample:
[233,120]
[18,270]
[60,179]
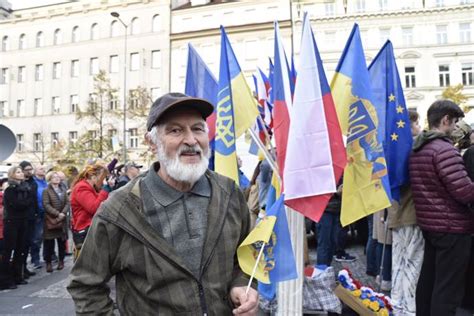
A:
[179,171]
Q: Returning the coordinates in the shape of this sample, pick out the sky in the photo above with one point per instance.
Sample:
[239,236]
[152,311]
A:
[20,4]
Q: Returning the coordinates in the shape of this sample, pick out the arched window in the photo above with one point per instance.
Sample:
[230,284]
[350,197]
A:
[58,37]
[156,23]
[135,26]
[76,35]
[114,29]
[39,39]
[5,43]
[94,31]
[22,41]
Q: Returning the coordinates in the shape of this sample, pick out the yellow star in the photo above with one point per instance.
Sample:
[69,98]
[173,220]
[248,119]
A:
[391,97]
[394,137]
[399,109]
[400,124]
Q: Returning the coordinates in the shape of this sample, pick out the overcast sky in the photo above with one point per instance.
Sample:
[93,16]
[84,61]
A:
[20,4]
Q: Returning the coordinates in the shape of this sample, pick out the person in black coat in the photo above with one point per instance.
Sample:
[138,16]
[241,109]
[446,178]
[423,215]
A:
[16,199]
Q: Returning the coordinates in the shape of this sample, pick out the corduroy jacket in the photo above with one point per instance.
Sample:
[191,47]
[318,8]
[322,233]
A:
[151,279]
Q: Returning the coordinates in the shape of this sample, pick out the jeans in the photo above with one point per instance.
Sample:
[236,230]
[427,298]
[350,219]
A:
[387,261]
[372,267]
[37,239]
[326,235]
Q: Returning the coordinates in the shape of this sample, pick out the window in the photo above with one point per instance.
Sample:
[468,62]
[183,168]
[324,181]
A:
[465,32]
[94,31]
[443,75]
[94,66]
[384,34]
[133,138]
[383,5]
[112,132]
[329,8]
[134,61]
[58,37]
[410,81]
[465,1]
[56,70]
[113,64]
[467,74]
[54,139]
[114,29]
[440,3]
[39,39]
[22,41]
[21,74]
[5,43]
[441,34]
[3,108]
[38,107]
[20,142]
[56,105]
[156,59]
[156,23]
[359,6]
[74,103]
[407,35]
[39,74]
[37,142]
[92,135]
[155,93]
[113,103]
[3,75]
[93,99]
[76,35]
[75,68]
[20,108]
[133,101]
[72,138]
[134,26]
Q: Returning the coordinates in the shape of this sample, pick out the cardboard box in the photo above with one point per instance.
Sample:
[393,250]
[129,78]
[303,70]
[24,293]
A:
[353,302]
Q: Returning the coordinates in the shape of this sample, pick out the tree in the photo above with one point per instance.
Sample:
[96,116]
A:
[139,103]
[100,114]
[454,93]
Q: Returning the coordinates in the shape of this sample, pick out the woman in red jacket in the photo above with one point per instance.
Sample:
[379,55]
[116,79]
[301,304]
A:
[88,192]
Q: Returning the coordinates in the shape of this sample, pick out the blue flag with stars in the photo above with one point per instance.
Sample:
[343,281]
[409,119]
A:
[388,93]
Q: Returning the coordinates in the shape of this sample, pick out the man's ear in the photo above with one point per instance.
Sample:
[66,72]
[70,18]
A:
[445,120]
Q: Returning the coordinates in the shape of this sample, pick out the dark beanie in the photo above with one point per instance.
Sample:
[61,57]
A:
[25,164]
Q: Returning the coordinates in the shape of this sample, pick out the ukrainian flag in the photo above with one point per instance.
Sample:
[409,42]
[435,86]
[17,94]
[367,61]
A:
[236,110]
[366,187]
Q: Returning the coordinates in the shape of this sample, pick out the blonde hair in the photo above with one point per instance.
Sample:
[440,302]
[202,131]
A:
[11,172]
[50,174]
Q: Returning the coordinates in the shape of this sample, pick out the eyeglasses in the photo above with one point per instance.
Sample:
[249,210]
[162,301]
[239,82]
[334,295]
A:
[28,169]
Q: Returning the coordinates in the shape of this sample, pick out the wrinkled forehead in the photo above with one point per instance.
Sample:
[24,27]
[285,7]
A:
[184,116]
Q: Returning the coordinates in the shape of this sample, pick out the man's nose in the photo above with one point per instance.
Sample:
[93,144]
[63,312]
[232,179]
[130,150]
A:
[189,138]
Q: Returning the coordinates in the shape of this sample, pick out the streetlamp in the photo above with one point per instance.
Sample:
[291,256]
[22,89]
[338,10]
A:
[117,16]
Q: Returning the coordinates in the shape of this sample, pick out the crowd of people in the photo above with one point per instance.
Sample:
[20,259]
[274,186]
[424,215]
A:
[41,207]
[170,235]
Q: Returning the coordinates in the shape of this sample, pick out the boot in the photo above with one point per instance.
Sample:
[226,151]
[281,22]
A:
[60,265]
[49,267]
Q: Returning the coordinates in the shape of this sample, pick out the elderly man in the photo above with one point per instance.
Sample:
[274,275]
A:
[170,236]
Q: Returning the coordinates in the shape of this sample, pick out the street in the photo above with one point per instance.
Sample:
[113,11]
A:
[45,294]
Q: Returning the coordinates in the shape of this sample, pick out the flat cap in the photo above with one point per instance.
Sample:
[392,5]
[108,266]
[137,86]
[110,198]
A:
[175,100]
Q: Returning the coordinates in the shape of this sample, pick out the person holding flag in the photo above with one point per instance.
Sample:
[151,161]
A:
[170,236]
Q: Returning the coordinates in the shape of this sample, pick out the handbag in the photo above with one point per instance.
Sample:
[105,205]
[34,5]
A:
[79,236]
[52,222]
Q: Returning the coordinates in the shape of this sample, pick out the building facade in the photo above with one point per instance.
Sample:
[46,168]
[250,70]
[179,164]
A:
[45,74]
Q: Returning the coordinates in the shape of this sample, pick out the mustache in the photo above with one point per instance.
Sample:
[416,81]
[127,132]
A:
[185,149]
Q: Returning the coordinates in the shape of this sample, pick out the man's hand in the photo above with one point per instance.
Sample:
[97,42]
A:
[246,304]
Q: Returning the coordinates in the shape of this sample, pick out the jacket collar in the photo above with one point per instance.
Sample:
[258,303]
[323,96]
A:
[126,212]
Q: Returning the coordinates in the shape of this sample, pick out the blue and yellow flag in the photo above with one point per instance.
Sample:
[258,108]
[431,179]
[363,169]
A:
[278,262]
[388,91]
[366,187]
[236,110]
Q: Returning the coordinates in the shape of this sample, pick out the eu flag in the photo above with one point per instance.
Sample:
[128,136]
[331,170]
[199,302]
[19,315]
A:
[387,91]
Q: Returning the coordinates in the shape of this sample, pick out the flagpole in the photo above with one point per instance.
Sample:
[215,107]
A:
[255,268]
[267,155]
[267,136]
